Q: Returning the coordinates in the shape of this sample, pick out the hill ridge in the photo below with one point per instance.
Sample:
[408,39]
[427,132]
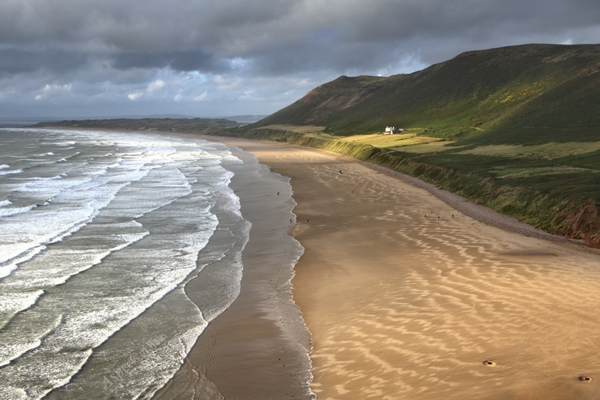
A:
[516,129]
[493,90]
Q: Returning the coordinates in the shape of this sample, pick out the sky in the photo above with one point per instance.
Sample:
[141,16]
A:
[214,58]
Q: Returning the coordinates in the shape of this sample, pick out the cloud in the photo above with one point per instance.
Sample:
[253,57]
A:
[51,90]
[117,52]
[135,96]
[156,85]
[16,61]
[201,96]
[153,87]
[191,60]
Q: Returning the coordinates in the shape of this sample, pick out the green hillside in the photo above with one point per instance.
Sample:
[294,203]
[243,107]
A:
[545,92]
[516,129]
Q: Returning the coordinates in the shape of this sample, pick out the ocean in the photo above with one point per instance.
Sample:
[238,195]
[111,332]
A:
[100,233]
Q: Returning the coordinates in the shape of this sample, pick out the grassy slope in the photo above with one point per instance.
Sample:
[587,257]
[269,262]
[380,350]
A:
[500,91]
[523,122]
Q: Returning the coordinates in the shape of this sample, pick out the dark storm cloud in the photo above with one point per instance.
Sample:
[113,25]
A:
[177,60]
[15,61]
[331,33]
[227,48]
[356,35]
[128,25]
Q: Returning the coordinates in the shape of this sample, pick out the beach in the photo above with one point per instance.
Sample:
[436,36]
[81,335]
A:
[357,282]
[406,297]
[258,347]
[319,276]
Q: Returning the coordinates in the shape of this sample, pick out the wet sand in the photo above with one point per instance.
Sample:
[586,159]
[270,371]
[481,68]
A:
[258,347]
[406,297]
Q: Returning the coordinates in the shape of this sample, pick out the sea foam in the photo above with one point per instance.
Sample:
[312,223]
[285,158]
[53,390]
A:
[100,234]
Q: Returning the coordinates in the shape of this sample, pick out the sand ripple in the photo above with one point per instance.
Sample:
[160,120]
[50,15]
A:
[407,298]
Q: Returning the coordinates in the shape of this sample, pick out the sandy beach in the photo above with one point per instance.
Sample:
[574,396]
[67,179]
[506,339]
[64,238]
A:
[404,297]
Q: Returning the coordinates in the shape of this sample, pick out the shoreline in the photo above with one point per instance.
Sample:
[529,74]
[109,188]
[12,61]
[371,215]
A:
[258,347]
[460,204]
[366,233]
[404,296]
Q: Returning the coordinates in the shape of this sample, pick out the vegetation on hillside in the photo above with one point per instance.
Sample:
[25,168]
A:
[533,93]
[516,129]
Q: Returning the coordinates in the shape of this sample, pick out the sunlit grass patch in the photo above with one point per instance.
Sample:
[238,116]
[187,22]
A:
[379,140]
[397,141]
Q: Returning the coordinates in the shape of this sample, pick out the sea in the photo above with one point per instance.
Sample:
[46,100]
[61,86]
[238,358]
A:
[99,234]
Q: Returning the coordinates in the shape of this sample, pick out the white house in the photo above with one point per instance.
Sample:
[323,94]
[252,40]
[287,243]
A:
[390,130]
